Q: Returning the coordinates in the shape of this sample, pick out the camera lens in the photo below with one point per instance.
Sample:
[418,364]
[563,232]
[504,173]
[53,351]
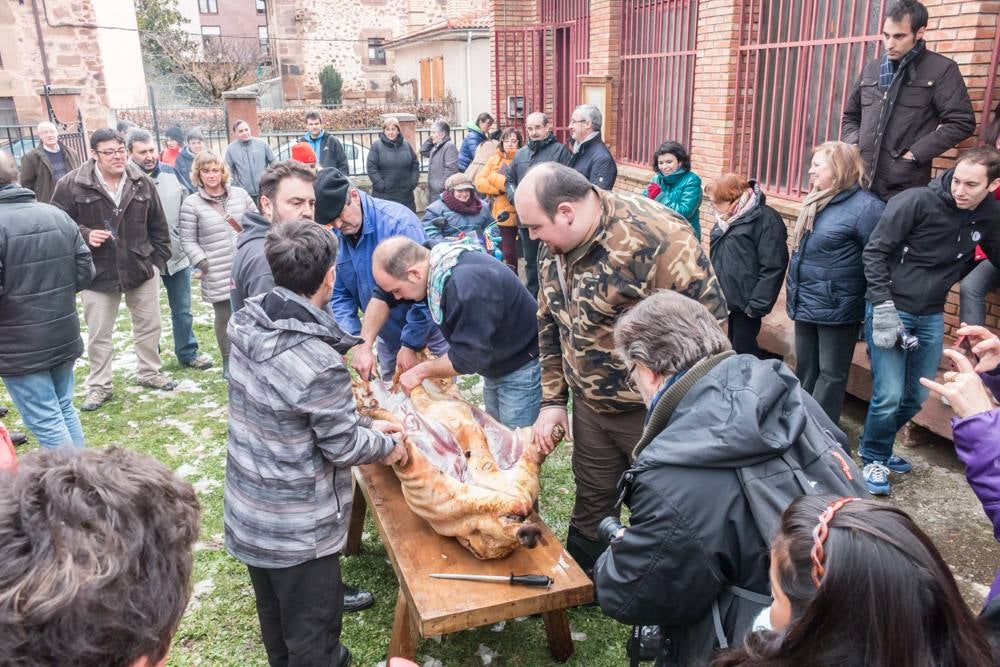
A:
[608,527]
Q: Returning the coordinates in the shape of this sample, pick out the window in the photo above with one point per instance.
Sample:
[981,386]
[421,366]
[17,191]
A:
[657,63]
[208,6]
[797,63]
[210,32]
[376,53]
[262,38]
[8,114]
[261,7]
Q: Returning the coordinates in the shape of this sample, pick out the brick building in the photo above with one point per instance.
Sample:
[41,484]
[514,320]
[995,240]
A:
[64,47]
[245,20]
[749,85]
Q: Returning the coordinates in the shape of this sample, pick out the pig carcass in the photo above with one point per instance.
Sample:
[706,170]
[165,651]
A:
[468,476]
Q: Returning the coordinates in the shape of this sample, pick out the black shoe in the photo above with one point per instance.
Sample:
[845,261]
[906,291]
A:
[356,599]
[343,657]
[17,437]
[3,410]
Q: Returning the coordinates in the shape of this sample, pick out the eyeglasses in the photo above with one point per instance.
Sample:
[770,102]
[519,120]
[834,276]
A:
[109,152]
[577,120]
[629,370]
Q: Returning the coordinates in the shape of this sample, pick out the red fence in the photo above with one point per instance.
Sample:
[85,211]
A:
[797,62]
[658,43]
[991,79]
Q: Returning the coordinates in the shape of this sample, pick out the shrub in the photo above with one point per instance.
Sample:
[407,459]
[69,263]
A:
[331,84]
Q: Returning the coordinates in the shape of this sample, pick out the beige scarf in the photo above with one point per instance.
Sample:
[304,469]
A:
[814,202]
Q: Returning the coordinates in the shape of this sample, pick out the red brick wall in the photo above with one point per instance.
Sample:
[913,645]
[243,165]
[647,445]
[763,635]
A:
[962,30]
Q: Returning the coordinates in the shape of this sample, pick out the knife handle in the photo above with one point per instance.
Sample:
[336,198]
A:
[538,580]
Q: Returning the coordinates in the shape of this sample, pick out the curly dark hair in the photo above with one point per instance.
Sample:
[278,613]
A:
[95,557]
[279,171]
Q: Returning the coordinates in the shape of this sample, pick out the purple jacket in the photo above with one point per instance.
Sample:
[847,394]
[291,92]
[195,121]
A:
[977,441]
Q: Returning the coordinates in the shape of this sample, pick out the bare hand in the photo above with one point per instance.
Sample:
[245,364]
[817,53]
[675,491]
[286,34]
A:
[98,237]
[387,427]
[363,361]
[985,345]
[406,359]
[410,380]
[548,419]
[962,387]
[397,456]
[909,156]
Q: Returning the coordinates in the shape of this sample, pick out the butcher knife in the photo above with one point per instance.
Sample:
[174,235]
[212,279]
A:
[539,580]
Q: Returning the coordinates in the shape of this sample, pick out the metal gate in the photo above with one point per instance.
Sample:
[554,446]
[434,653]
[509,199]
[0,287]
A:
[990,96]
[537,67]
[18,140]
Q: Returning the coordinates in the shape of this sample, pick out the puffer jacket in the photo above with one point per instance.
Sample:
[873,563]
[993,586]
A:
[205,235]
[394,170]
[826,278]
[693,533]
[442,163]
[484,152]
[293,433]
[680,191]
[750,258]
[44,262]
[491,180]
[473,137]
[141,242]
[472,225]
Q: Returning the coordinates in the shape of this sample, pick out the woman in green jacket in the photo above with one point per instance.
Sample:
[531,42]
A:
[674,184]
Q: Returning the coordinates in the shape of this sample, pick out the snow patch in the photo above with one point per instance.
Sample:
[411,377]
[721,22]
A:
[486,654]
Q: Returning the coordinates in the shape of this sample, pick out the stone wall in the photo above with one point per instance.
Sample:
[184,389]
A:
[73,56]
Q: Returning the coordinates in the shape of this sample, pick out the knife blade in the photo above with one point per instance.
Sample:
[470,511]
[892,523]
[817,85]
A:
[536,580]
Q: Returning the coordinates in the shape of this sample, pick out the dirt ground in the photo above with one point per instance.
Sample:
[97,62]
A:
[937,496]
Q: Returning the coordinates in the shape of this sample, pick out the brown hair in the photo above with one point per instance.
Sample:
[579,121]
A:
[727,188]
[845,162]
[204,159]
[95,557]
[279,171]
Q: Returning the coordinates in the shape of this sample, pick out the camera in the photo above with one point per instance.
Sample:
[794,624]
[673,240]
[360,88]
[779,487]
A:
[608,527]
[906,341]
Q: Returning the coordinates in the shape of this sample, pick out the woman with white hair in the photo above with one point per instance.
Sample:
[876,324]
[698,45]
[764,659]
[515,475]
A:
[393,166]
[440,150]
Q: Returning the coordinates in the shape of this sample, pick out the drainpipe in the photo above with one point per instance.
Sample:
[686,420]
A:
[468,73]
[45,59]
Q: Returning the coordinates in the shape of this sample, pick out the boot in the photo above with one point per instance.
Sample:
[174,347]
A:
[584,550]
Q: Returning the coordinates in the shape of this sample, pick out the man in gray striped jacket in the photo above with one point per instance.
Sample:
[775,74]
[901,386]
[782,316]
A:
[293,436]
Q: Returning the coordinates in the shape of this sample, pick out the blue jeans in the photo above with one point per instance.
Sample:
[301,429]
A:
[896,390]
[179,297]
[387,355]
[515,399]
[45,401]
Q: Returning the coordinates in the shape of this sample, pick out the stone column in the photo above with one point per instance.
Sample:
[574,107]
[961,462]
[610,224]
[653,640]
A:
[241,105]
[65,102]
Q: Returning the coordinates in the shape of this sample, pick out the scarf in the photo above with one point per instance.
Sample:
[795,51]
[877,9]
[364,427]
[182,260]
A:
[444,257]
[471,207]
[746,202]
[888,70]
[814,202]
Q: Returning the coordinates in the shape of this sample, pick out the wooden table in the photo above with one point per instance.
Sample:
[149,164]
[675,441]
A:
[426,607]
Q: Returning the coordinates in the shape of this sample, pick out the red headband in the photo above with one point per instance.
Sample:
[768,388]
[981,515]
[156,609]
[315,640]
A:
[820,533]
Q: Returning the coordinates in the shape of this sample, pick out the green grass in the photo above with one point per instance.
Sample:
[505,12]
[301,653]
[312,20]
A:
[186,430]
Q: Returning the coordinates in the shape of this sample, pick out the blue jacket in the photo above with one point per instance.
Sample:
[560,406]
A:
[594,161]
[408,324]
[456,221]
[473,137]
[826,277]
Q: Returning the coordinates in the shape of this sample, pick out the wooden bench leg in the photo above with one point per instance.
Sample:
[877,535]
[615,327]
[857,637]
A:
[557,632]
[357,524]
[403,643]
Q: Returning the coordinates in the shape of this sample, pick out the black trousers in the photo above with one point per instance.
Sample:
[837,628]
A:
[300,611]
[743,332]
[529,250]
[823,357]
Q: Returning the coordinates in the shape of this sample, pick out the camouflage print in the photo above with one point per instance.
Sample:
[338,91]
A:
[640,246]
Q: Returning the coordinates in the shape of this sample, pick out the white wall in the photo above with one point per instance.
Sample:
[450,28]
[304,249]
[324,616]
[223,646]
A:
[472,100]
[120,53]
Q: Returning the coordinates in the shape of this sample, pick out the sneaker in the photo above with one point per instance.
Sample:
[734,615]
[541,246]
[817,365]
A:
[898,464]
[200,362]
[17,438]
[158,381]
[876,478]
[95,399]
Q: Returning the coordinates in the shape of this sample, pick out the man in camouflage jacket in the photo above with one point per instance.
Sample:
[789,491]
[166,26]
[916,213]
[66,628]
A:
[603,252]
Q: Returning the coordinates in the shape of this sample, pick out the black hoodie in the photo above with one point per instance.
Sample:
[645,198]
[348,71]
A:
[250,274]
[923,244]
